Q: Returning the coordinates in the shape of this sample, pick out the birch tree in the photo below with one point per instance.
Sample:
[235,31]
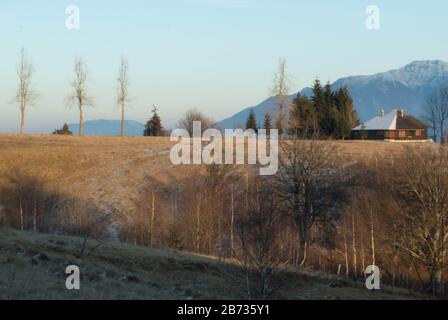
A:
[123,92]
[25,95]
[79,96]
[280,91]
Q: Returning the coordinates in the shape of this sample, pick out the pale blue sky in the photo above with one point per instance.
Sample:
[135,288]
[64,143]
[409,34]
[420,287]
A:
[215,55]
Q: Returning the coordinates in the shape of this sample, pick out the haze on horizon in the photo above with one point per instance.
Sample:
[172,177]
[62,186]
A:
[218,56]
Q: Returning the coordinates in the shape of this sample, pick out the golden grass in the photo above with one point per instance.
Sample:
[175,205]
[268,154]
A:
[109,171]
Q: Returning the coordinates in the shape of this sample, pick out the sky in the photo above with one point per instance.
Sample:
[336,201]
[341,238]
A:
[218,56]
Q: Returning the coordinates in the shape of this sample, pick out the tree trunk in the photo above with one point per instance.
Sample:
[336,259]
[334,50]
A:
[35,216]
[346,254]
[232,222]
[151,236]
[198,225]
[81,126]
[355,266]
[21,215]
[303,250]
[442,136]
[372,236]
[122,120]
[22,121]
[363,258]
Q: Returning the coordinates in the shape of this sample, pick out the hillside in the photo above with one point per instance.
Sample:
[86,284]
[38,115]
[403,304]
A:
[405,87]
[110,172]
[32,266]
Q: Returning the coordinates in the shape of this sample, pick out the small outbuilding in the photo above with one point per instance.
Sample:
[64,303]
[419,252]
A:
[396,125]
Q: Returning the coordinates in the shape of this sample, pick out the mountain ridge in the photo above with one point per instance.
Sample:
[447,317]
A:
[405,87]
[104,127]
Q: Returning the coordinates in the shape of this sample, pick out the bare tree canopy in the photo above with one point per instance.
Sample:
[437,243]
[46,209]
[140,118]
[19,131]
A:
[192,115]
[25,95]
[259,227]
[123,90]
[310,185]
[436,112]
[280,91]
[422,224]
[79,96]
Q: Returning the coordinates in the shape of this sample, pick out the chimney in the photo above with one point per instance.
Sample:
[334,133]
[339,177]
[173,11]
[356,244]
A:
[382,113]
[401,112]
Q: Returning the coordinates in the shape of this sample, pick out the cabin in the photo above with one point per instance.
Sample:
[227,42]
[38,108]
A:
[394,126]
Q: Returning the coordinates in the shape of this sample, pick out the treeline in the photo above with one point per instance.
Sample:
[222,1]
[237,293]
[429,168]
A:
[317,213]
[327,114]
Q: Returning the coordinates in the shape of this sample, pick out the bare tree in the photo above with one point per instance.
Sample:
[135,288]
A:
[431,114]
[436,112]
[123,94]
[79,95]
[259,227]
[422,186]
[280,91]
[25,94]
[310,184]
[192,115]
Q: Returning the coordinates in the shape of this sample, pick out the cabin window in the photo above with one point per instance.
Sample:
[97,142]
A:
[418,133]
[402,134]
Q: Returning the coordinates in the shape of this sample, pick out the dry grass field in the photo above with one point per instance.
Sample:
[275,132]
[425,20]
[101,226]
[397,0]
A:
[110,171]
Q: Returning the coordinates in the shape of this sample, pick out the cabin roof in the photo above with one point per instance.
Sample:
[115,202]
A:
[394,120]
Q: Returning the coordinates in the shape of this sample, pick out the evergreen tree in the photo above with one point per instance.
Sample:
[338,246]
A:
[153,127]
[64,131]
[302,118]
[267,123]
[251,122]
[347,117]
[328,112]
[318,98]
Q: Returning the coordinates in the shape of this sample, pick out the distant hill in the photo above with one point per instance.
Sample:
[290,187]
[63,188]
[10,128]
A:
[109,128]
[405,87]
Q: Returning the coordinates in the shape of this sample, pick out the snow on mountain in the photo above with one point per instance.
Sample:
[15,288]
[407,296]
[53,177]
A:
[405,88]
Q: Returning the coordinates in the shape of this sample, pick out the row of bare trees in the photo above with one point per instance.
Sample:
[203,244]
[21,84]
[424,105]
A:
[318,212]
[80,97]
[26,95]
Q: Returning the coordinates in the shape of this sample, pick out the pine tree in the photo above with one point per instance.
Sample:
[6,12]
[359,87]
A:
[267,123]
[302,118]
[251,122]
[328,112]
[153,127]
[318,97]
[347,117]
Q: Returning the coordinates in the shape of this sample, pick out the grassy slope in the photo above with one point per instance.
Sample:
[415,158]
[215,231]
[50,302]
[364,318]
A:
[108,172]
[122,271]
